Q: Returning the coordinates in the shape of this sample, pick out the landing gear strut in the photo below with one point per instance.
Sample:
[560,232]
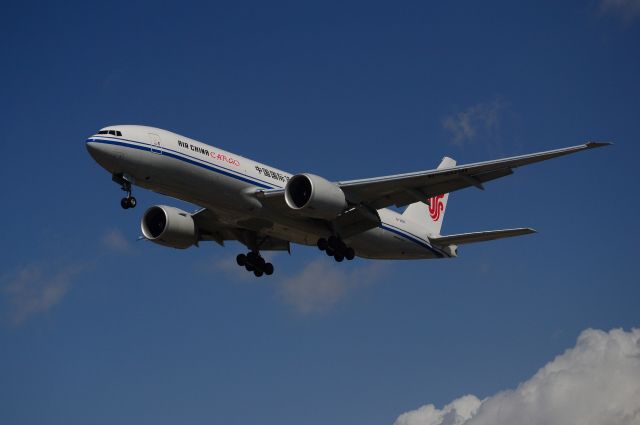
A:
[125,184]
[254,262]
[336,248]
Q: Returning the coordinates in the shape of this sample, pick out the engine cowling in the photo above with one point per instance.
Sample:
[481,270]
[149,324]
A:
[169,226]
[314,196]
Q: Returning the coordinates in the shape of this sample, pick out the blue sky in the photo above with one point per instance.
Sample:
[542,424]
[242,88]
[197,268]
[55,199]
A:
[98,328]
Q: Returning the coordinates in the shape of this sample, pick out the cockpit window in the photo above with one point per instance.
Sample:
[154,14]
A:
[112,132]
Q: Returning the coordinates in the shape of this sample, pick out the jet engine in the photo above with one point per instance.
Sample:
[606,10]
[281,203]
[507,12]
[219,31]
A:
[314,196]
[169,226]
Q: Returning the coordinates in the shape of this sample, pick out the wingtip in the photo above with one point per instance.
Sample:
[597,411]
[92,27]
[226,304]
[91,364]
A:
[592,145]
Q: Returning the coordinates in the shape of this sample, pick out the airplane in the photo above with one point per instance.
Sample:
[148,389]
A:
[267,209]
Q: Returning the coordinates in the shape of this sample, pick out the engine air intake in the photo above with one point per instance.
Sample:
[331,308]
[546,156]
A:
[314,196]
[169,226]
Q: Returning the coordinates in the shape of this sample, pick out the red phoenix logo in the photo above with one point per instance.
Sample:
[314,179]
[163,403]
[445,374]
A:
[436,206]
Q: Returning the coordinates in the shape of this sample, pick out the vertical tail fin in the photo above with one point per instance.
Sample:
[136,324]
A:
[430,215]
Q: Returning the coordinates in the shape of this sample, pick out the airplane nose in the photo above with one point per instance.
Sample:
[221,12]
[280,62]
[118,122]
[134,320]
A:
[95,150]
[100,152]
[91,147]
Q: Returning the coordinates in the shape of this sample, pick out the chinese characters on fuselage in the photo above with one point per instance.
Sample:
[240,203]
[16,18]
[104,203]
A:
[270,173]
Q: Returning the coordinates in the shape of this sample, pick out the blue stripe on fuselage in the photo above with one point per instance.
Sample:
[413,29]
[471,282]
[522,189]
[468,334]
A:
[186,158]
[413,238]
[247,179]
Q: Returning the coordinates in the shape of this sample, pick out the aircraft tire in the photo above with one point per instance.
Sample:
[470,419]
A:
[339,258]
[241,259]
[349,254]
[133,202]
[258,273]
[268,269]
[322,244]
[124,203]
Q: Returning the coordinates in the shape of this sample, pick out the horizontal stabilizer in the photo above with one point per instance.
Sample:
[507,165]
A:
[465,238]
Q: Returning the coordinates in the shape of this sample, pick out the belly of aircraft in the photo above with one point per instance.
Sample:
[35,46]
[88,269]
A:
[219,193]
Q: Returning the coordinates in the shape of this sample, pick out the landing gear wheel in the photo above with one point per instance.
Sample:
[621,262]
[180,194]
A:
[322,244]
[335,247]
[125,181]
[349,254]
[253,262]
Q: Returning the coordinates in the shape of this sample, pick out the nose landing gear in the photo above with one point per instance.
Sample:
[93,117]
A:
[254,262]
[128,202]
[125,184]
[336,248]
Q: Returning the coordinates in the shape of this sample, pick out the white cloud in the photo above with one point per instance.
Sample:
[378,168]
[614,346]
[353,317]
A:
[595,383]
[626,10]
[483,118]
[115,241]
[455,413]
[226,265]
[319,286]
[33,290]
[323,283]
[36,288]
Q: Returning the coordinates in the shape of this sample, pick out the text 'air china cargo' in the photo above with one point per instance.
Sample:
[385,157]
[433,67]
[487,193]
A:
[265,208]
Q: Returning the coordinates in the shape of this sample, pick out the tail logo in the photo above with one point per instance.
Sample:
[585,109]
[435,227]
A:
[436,206]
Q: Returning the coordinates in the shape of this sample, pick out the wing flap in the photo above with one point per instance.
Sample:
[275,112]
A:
[210,228]
[248,232]
[357,220]
[467,238]
[403,198]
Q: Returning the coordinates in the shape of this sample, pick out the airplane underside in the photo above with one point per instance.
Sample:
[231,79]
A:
[167,176]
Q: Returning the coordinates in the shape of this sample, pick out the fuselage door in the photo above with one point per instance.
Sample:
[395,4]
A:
[156,143]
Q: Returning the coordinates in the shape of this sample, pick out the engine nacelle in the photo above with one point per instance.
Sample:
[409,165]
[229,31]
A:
[169,226]
[314,196]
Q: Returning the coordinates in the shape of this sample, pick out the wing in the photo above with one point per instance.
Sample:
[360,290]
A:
[466,238]
[404,189]
[368,195]
[211,229]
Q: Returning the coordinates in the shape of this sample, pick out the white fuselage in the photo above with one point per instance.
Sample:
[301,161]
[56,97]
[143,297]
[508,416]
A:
[224,183]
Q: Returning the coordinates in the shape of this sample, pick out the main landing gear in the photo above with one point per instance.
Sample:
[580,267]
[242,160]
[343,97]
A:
[254,262]
[336,248]
[125,184]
